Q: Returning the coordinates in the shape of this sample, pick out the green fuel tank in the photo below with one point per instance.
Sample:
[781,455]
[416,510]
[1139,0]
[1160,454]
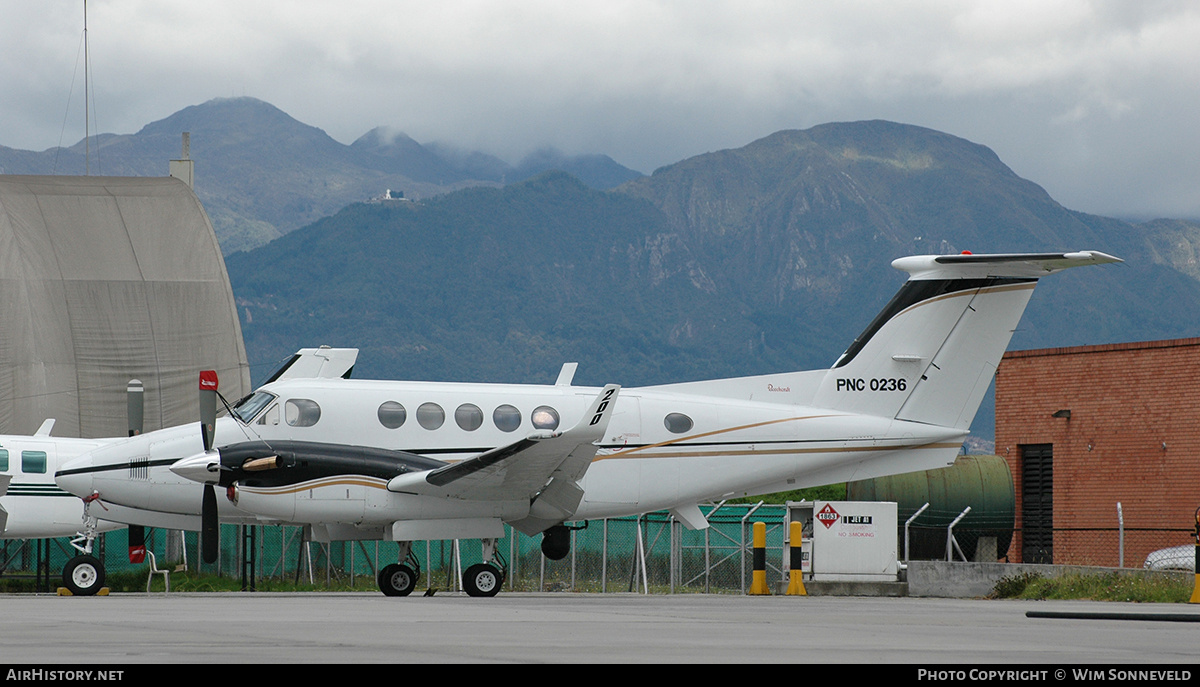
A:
[980,481]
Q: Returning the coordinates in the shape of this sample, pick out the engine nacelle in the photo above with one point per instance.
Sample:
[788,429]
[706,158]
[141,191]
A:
[332,500]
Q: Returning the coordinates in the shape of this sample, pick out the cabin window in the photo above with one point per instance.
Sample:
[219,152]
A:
[301,412]
[392,414]
[33,462]
[247,409]
[469,417]
[677,423]
[3,459]
[271,417]
[544,417]
[507,418]
[430,415]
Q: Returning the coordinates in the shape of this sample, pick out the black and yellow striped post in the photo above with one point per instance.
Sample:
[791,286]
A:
[796,561]
[1196,588]
[758,581]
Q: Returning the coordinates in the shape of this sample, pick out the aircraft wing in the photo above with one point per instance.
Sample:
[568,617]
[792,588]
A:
[523,468]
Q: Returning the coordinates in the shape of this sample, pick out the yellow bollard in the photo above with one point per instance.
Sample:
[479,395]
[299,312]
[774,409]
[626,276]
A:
[758,583]
[796,561]
[1196,589]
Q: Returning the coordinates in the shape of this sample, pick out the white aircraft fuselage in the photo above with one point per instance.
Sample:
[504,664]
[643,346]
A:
[34,507]
[735,447]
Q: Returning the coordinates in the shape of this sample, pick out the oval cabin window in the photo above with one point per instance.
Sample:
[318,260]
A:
[469,417]
[544,417]
[507,418]
[678,423]
[301,412]
[430,415]
[392,414]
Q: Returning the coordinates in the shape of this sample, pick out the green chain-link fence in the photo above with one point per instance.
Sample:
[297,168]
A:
[652,552]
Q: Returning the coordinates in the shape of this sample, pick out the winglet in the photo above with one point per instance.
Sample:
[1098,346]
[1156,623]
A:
[600,412]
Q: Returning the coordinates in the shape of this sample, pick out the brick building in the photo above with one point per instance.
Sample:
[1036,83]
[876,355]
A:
[1086,427]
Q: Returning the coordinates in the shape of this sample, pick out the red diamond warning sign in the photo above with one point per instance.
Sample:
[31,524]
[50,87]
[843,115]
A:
[827,516]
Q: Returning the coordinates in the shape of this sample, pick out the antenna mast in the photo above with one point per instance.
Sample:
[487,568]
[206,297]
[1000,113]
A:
[87,122]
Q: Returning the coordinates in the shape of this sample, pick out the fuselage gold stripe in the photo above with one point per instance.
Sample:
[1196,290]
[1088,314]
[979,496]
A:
[347,481]
[783,451]
[693,437]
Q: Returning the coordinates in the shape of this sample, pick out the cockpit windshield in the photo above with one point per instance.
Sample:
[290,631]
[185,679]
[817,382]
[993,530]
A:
[247,409]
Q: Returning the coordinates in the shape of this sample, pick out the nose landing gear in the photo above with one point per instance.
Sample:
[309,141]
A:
[83,575]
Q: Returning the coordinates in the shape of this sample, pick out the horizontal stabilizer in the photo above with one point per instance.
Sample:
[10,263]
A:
[968,266]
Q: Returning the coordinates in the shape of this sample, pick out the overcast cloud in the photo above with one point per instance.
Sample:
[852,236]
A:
[1093,100]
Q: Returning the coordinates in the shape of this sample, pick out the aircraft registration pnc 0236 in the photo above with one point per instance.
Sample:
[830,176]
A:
[344,457]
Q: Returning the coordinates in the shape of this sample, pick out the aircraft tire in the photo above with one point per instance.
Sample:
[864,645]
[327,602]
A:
[397,580]
[482,579]
[83,575]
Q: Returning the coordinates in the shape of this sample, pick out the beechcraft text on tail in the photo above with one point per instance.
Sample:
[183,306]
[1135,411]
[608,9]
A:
[411,461]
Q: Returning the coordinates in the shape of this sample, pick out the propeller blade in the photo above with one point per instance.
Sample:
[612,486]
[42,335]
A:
[210,528]
[137,544]
[135,408]
[208,406]
[135,395]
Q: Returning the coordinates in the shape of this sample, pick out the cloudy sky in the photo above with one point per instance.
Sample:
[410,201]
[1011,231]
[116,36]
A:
[1096,101]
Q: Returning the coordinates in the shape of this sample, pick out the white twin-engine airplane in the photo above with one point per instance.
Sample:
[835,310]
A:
[33,507]
[381,460]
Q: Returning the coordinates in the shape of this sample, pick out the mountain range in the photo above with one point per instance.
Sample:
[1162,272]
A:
[768,257]
[261,174]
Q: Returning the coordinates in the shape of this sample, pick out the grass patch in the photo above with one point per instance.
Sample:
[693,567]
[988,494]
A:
[1161,588]
[24,584]
[189,581]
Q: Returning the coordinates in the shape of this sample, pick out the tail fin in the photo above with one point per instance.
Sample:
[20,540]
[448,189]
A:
[931,353]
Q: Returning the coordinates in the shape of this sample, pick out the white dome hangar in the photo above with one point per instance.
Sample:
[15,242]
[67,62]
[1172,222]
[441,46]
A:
[103,280]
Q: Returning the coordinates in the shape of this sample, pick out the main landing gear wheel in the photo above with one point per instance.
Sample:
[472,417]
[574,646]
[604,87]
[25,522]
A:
[482,579]
[83,575]
[397,580]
